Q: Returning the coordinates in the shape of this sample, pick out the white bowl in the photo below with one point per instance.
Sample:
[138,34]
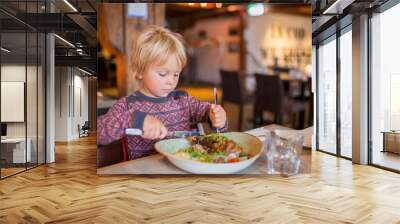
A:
[251,145]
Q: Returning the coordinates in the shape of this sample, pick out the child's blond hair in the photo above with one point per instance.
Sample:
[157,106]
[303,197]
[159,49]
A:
[155,45]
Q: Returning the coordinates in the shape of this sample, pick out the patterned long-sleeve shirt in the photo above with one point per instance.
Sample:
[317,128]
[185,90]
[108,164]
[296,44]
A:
[176,111]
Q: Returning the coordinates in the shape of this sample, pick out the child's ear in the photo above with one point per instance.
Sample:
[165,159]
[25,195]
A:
[139,77]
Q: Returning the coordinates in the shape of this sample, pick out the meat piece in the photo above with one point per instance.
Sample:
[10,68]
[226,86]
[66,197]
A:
[217,147]
[199,148]
[232,147]
[194,139]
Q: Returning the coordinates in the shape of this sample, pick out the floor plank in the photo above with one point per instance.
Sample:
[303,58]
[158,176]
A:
[69,191]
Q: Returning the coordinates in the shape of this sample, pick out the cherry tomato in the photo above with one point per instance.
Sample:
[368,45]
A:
[233,160]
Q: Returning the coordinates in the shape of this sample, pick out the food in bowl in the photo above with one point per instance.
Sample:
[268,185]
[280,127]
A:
[250,144]
[213,148]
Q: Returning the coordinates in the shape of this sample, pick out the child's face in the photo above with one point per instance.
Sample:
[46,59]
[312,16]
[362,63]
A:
[160,80]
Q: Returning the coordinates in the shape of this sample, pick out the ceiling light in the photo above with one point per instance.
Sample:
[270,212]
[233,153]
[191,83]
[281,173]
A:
[218,5]
[70,5]
[191,4]
[65,41]
[203,5]
[5,49]
[256,9]
[84,71]
[337,7]
[232,8]
[331,7]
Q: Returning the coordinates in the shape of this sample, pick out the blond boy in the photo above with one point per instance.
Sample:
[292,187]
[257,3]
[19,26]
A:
[156,108]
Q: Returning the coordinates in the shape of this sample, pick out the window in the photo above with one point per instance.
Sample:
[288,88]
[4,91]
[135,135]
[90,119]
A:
[327,96]
[385,88]
[346,93]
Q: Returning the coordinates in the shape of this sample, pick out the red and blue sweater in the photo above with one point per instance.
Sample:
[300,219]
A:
[176,111]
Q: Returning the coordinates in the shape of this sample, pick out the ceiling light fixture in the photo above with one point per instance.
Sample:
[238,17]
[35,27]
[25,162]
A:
[331,7]
[232,8]
[70,5]
[65,41]
[255,9]
[337,7]
[84,71]
[218,5]
[5,49]
[203,5]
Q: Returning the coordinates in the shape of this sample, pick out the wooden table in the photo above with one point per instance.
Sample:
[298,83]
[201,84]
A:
[158,164]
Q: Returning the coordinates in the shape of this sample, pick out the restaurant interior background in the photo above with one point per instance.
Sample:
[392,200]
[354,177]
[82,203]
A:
[240,39]
[243,49]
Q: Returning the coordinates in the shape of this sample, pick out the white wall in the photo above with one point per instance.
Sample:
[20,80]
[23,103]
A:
[17,73]
[62,81]
[71,93]
[14,73]
[80,100]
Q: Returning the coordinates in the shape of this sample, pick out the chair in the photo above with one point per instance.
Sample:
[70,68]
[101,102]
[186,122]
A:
[233,91]
[270,97]
[84,130]
[307,97]
[102,111]
[110,154]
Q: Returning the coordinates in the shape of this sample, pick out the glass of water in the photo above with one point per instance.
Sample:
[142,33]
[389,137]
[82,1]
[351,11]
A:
[283,151]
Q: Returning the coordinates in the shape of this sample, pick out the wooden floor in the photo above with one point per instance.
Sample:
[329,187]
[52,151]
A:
[69,191]
[10,171]
[387,159]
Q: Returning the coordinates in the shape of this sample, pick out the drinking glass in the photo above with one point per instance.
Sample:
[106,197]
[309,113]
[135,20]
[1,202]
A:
[283,150]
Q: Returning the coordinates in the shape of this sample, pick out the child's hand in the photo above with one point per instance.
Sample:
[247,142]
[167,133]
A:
[153,128]
[217,116]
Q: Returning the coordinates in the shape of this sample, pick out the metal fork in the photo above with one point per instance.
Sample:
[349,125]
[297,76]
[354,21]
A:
[215,102]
